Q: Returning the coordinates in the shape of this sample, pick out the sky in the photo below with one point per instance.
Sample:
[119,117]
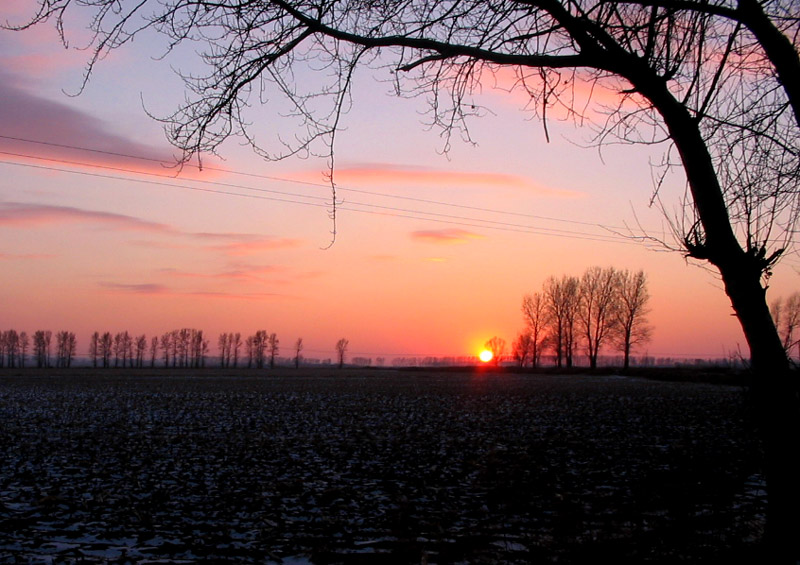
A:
[434,250]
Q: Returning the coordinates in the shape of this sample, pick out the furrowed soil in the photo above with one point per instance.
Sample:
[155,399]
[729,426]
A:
[374,467]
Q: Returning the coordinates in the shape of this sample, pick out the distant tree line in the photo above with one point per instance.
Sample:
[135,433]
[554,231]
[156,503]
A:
[185,347]
[605,307]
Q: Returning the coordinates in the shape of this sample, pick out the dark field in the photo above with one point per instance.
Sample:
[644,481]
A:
[368,467]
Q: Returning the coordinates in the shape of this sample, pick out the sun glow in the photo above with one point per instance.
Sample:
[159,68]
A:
[485,356]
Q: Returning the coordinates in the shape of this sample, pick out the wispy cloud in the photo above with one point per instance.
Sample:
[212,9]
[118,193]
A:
[241,274]
[147,288]
[20,214]
[446,236]
[24,256]
[30,215]
[375,175]
[40,130]
[153,289]
[256,245]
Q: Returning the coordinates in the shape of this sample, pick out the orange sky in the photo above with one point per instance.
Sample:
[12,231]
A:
[433,254]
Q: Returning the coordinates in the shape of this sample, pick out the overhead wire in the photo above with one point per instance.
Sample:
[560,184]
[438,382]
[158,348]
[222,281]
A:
[311,200]
[609,228]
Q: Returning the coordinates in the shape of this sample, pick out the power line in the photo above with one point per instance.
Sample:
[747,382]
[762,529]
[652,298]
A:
[305,183]
[321,202]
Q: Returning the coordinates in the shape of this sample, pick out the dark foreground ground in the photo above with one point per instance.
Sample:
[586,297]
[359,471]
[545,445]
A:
[375,467]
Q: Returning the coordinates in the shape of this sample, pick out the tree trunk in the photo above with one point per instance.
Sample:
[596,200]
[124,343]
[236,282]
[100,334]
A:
[775,392]
[777,412]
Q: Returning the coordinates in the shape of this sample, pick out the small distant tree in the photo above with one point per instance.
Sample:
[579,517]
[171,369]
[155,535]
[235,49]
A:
[24,343]
[341,350]
[632,328]
[94,348]
[272,348]
[521,348]
[235,347]
[153,350]
[106,348]
[535,314]
[224,345]
[298,347]
[497,345]
[786,314]
[166,347]
[141,350]
[10,341]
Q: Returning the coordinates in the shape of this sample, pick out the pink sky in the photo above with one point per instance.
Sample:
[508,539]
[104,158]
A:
[433,255]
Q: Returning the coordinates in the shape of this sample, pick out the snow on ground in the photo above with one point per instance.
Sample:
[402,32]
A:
[359,467]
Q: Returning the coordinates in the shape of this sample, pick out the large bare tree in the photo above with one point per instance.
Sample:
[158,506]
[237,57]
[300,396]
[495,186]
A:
[715,79]
[596,306]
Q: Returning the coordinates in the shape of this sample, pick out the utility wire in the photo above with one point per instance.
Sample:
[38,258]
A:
[312,184]
[291,197]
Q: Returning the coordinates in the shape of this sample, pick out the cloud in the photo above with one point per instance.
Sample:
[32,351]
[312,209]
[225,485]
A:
[446,236]
[242,274]
[148,288]
[24,256]
[383,174]
[39,130]
[153,289]
[258,244]
[23,215]
[29,215]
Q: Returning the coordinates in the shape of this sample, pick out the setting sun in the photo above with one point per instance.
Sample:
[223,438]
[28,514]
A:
[485,356]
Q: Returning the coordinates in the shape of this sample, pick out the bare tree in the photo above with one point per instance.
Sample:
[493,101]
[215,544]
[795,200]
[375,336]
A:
[596,308]
[717,79]
[561,299]
[24,343]
[497,345]
[341,350]
[153,350]
[141,350]
[106,348]
[224,346]
[237,345]
[298,347]
[535,313]
[786,314]
[10,341]
[522,348]
[94,348]
[272,347]
[631,313]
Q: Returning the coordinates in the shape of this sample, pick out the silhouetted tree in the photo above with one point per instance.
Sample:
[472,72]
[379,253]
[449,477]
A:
[298,347]
[106,348]
[497,345]
[9,342]
[224,346]
[535,313]
[521,348]
[153,350]
[272,347]
[562,299]
[24,343]
[631,315]
[341,350]
[141,350]
[786,314]
[596,309]
[41,347]
[235,347]
[94,348]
